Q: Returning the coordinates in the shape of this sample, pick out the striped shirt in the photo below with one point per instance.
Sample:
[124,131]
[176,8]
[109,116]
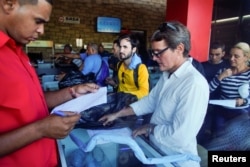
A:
[229,86]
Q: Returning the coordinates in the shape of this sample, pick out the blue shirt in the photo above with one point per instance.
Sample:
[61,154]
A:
[92,63]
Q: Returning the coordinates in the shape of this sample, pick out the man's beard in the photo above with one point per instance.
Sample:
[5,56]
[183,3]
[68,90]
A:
[125,58]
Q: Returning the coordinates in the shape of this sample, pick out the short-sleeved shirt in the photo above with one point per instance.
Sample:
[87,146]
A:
[21,103]
[92,63]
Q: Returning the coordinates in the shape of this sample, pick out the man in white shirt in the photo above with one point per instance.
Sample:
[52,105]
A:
[178,101]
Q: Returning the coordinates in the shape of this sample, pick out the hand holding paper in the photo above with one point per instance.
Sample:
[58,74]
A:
[84,102]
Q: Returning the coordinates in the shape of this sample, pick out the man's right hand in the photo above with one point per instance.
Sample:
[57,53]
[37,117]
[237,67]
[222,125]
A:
[110,81]
[58,127]
[108,119]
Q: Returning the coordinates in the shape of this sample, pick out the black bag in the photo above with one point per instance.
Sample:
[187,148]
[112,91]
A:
[75,77]
[115,102]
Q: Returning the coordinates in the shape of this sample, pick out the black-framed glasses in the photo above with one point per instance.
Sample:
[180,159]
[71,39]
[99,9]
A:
[158,54]
[164,26]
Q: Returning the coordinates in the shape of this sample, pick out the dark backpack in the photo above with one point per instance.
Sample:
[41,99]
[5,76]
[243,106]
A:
[135,74]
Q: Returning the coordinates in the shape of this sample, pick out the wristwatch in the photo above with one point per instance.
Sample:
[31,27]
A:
[150,129]
[245,102]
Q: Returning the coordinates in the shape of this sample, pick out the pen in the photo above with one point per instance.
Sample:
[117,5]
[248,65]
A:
[59,113]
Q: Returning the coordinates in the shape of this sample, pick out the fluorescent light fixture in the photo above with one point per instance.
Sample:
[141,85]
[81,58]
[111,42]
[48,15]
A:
[229,19]
[246,16]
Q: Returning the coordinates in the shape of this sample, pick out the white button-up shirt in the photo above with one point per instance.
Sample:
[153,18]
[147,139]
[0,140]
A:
[179,105]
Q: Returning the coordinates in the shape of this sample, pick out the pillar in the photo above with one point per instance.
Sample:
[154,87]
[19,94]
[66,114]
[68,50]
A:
[197,16]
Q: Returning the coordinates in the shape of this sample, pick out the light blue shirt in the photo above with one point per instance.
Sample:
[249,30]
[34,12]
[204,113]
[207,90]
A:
[92,63]
[179,105]
[134,61]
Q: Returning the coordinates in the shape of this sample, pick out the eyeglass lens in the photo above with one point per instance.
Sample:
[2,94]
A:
[157,54]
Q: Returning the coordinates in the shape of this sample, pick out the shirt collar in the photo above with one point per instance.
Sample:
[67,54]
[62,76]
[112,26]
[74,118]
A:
[179,71]
[134,61]
[6,40]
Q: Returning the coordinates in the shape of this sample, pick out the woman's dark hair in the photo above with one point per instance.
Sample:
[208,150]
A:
[173,33]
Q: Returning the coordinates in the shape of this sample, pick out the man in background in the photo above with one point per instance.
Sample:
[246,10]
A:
[215,63]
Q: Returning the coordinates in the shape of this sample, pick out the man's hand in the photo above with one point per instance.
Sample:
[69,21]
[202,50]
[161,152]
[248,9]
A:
[110,81]
[82,89]
[108,119]
[58,127]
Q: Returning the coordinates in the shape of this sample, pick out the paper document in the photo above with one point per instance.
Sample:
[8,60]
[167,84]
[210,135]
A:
[84,102]
[225,103]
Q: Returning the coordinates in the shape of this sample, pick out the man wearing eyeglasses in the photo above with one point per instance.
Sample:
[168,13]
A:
[178,101]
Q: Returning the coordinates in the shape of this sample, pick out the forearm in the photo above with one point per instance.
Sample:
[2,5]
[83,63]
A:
[54,98]
[57,97]
[125,112]
[16,139]
[72,55]
[214,84]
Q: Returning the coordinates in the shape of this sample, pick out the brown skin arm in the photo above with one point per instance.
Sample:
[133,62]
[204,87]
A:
[52,127]
[68,55]
[54,98]
[109,118]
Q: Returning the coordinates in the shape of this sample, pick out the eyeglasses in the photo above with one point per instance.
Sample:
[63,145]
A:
[123,76]
[158,54]
[164,26]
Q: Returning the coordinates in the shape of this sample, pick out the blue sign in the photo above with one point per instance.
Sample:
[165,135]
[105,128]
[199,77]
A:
[108,24]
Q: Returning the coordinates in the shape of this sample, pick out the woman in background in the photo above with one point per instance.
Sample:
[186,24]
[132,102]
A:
[229,81]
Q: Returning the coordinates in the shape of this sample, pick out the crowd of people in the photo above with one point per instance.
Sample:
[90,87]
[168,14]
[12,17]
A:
[178,105]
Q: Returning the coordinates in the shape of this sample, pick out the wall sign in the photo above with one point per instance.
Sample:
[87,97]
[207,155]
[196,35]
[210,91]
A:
[69,19]
[108,24]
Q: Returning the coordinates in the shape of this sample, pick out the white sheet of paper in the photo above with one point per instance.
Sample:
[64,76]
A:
[84,102]
[225,103]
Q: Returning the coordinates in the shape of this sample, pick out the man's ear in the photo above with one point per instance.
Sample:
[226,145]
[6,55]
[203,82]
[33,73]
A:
[8,5]
[134,49]
[180,48]
[223,53]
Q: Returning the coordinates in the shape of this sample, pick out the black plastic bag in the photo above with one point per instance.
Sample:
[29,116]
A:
[75,77]
[115,102]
